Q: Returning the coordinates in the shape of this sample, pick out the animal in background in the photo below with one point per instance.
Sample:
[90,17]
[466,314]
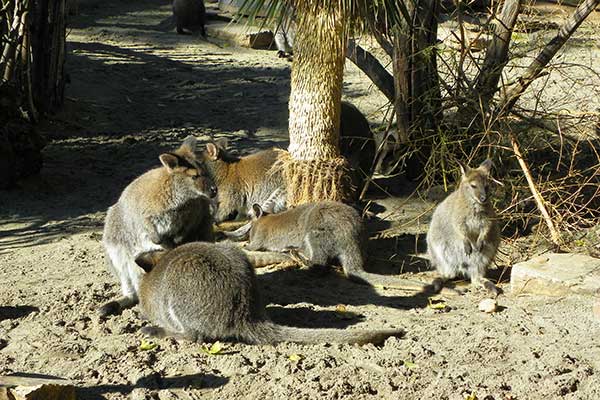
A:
[243,181]
[206,291]
[464,236]
[285,33]
[162,208]
[321,232]
[189,15]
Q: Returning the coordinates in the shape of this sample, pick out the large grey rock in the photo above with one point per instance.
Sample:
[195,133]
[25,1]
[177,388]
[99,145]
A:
[557,275]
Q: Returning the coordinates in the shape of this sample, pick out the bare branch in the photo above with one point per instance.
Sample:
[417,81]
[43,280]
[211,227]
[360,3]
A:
[513,93]
[372,68]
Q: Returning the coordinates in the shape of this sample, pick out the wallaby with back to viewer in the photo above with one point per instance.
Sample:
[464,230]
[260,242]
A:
[206,291]
[321,232]
[162,208]
[463,236]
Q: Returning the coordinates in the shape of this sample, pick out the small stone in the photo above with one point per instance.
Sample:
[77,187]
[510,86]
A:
[488,305]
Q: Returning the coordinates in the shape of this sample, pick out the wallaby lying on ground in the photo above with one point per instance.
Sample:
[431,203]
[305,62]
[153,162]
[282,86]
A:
[162,208]
[243,181]
[190,15]
[463,235]
[206,291]
[321,232]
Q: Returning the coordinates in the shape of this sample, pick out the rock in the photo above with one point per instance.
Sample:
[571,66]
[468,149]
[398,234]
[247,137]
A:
[557,275]
[17,387]
[488,305]
[239,35]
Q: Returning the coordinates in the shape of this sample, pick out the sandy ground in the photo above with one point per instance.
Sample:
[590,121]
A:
[136,89]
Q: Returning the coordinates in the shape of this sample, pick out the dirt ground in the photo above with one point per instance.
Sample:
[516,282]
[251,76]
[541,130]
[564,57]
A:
[136,89]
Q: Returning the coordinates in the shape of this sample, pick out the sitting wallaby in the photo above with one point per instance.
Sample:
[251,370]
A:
[321,232]
[463,236]
[162,208]
[190,15]
[206,291]
[243,181]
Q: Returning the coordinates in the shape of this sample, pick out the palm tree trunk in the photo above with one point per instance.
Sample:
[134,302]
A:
[316,171]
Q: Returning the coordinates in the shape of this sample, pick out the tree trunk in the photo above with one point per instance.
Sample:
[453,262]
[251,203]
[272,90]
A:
[316,171]
[496,55]
[418,96]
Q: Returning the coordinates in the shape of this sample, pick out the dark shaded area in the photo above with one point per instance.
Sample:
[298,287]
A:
[16,312]
[155,382]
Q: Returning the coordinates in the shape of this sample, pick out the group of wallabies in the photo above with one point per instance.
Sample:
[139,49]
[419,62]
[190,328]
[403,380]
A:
[159,242]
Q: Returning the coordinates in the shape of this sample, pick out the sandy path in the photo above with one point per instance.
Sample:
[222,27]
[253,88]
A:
[137,88]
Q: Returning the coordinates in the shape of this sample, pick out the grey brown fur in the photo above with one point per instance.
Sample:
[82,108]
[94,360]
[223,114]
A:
[205,291]
[322,232]
[162,208]
[189,15]
[463,235]
[243,181]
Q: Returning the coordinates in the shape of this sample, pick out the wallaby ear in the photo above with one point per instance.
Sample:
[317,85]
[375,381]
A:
[212,150]
[258,211]
[189,144]
[149,259]
[169,161]
[464,169]
[486,166]
[221,143]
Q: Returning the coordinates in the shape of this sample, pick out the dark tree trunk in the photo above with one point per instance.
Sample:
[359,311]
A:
[416,82]
[32,46]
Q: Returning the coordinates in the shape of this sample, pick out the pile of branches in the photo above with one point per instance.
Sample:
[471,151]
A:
[32,54]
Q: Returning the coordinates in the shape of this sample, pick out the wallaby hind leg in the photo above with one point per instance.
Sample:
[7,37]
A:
[115,307]
[479,281]
[158,332]
[312,249]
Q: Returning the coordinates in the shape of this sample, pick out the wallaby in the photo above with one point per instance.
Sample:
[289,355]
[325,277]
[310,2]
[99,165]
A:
[463,236]
[285,33]
[243,181]
[162,208]
[320,232]
[206,291]
[357,143]
[190,15]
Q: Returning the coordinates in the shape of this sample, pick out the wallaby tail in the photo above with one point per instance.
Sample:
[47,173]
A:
[264,258]
[267,332]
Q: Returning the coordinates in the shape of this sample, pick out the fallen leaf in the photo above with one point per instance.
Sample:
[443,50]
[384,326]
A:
[213,350]
[147,345]
[471,396]
[439,305]
[410,364]
[295,357]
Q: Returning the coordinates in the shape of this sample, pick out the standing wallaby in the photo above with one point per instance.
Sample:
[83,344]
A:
[206,291]
[321,232]
[162,208]
[243,181]
[463,236]
[190,15]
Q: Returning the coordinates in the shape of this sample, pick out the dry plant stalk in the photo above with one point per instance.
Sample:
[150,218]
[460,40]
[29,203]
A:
[539,200]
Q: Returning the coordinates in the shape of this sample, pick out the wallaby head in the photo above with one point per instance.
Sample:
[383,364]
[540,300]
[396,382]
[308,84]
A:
[187,171]
[475,182]
[149,259]
[217,150]
[258,211]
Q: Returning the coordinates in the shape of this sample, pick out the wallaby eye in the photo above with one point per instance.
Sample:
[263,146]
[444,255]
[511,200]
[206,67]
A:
[474,185]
